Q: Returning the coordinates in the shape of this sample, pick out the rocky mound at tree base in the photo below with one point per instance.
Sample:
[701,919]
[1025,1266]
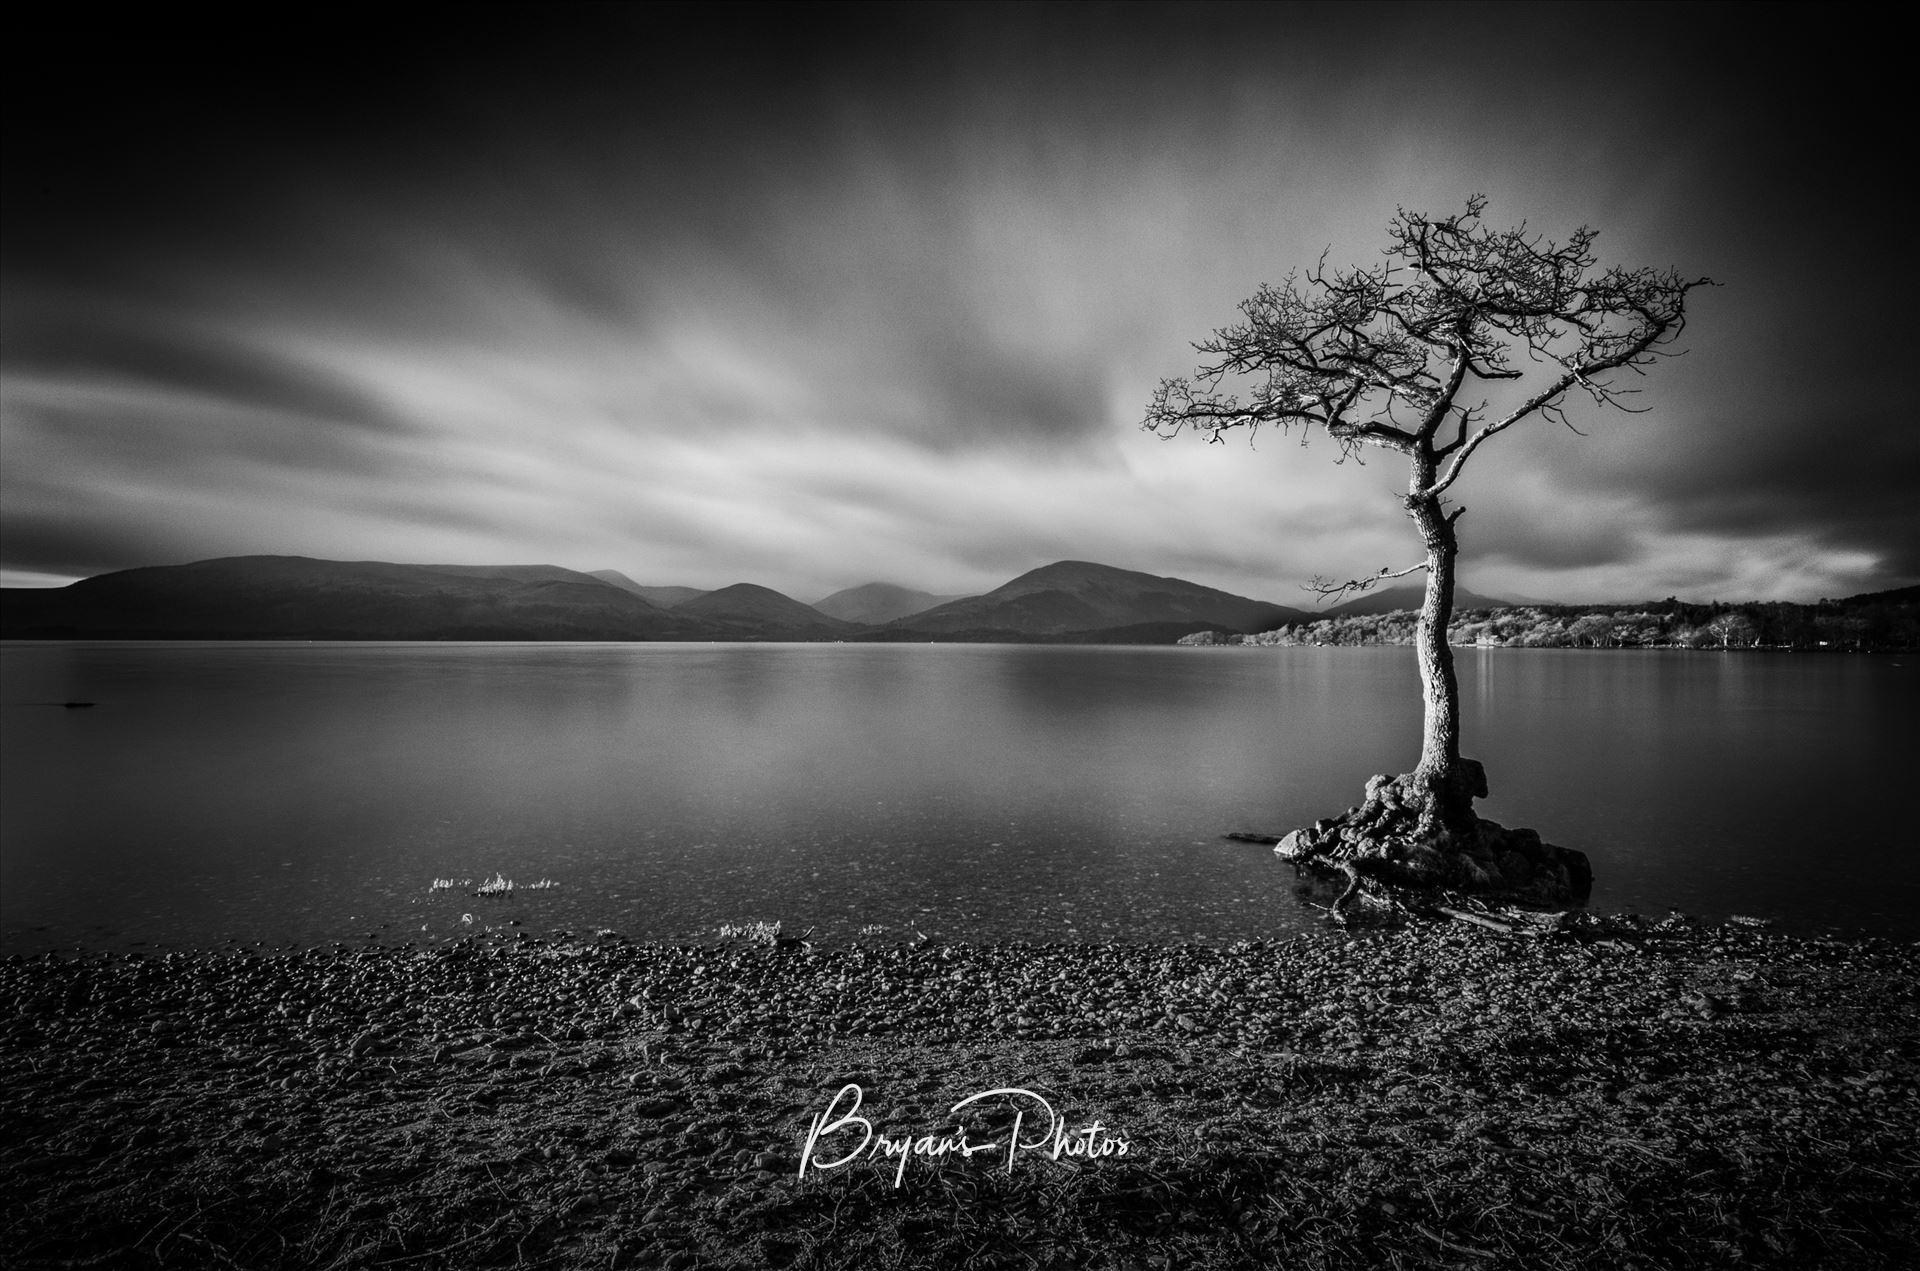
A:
[1408,836]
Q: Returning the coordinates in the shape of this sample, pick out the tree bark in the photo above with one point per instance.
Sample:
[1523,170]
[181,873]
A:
[1440,774]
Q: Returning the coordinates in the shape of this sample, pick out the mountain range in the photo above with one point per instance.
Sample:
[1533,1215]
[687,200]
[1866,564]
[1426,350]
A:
[300,598]
[295,597]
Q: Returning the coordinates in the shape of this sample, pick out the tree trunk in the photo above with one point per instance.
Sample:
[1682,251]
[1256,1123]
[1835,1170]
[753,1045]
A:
[1441,775]
[1440,736]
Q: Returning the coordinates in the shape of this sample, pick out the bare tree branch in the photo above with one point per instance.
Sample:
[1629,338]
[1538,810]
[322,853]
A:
[1606,353]
[1346,349]
[1327,589]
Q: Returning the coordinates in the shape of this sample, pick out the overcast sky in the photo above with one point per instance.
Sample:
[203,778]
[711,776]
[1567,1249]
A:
[812,297]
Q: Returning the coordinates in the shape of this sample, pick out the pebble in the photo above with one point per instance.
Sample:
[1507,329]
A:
[442,1079]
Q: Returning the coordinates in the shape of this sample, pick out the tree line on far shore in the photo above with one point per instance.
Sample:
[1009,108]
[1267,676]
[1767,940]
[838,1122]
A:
[1876,623]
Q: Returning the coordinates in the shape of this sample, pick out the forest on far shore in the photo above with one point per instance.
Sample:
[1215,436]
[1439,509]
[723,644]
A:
[1880,622]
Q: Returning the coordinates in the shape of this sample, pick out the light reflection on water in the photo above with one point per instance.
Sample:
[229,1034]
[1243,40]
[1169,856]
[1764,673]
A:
[312,792]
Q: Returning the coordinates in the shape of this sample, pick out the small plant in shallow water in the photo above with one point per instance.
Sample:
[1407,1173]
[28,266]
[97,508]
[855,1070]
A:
[498,885]
[757,932]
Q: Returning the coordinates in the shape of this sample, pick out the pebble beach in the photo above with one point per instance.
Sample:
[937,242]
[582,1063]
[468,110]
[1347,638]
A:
[1619,1093]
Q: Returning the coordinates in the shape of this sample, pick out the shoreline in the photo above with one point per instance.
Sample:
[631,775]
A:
[1660,1093]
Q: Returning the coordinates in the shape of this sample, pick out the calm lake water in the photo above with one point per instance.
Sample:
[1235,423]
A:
[301,793]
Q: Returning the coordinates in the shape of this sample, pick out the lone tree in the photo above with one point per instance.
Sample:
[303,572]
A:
[1460,333]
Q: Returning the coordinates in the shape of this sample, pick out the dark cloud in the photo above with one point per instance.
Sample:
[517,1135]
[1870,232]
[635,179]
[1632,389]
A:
[980,391]
[74,546]
[151,353]
[1523,528]
[448,250]
[1851,484]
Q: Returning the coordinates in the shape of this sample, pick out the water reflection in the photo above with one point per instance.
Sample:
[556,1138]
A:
[312,792]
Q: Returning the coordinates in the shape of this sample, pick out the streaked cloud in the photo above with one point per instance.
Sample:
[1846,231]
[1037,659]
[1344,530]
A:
[881,294]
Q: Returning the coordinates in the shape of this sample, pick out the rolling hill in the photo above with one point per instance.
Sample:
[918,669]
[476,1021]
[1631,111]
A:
[1079,596]
[748,611]
[876,604]
[296,597]
[664,597]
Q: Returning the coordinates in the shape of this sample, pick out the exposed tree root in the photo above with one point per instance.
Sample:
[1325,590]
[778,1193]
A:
[1415,837]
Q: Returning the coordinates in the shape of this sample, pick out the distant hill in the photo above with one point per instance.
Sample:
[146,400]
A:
[1897,596]
[671,597]
[510,573]
[876,604]
[300,598]
[296,597]
[1409,596]
[615,578]
[1079,596]
[748,611]
[664,597]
